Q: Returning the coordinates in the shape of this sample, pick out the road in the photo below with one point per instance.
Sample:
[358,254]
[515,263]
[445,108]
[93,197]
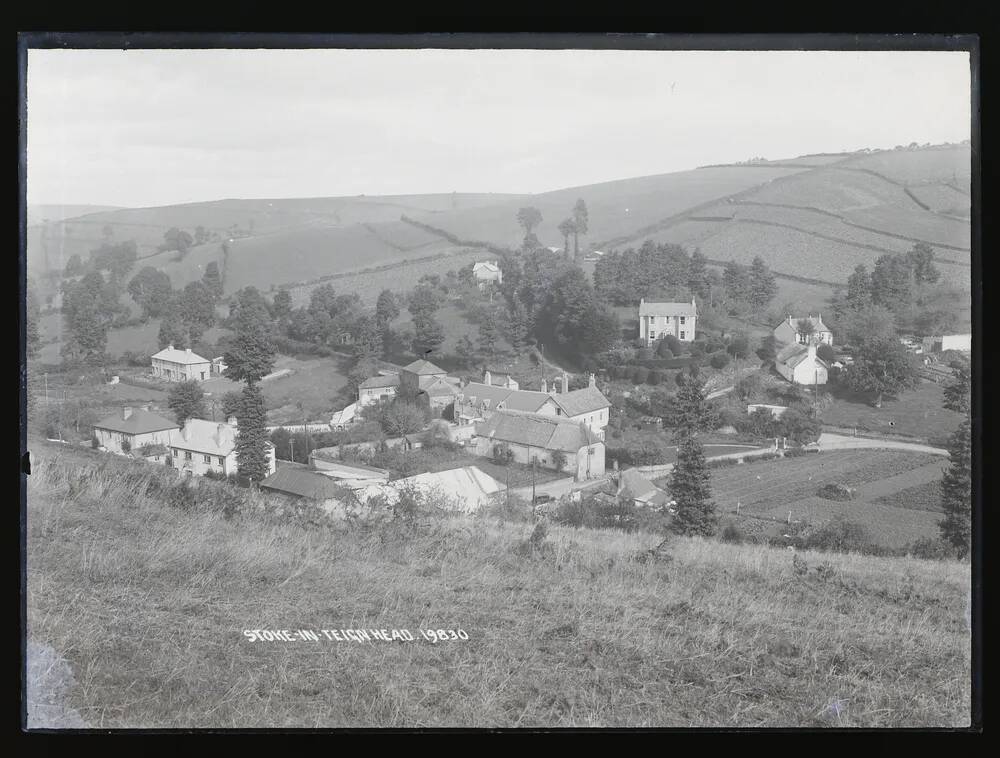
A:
[843,442]
[556,488]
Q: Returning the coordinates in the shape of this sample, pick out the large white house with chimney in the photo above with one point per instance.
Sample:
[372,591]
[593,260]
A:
[181,365]
[657,320]
[800,365]
[129,430]
[201,446]
[486,272]
[478,401]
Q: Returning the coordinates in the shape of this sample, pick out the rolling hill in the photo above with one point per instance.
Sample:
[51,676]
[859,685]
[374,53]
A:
[812,217]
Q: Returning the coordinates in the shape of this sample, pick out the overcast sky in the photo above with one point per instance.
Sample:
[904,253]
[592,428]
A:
[157,127]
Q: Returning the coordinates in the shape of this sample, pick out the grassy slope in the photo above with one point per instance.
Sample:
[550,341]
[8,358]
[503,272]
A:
[148,604]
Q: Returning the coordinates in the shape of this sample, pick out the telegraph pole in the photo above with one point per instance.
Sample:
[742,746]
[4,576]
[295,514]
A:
[291,446]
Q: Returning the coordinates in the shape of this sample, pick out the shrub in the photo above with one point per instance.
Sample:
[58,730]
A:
[795,452]
[670,344]
[932,548]
[843,536]
[644,353]
[655,377]
[732,534]
[719,360]
[835,492]
[662,351]
[721,462]
[640,374]
[826,353]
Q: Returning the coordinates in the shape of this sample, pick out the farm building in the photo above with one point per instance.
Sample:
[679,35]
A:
[131,429]
[375,388]
[424,378]
[201,446]
[487,272]
[535,437]
[799,364]
[296,482]
[478,401]
[344,417]
[180,365]
[657,320]
[640,490]
[788,331]
[961,342]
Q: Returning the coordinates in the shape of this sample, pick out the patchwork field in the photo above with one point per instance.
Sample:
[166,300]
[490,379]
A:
[772,489]
[144,605]
[917,413]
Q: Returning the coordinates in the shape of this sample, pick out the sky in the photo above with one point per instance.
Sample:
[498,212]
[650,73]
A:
[143,128]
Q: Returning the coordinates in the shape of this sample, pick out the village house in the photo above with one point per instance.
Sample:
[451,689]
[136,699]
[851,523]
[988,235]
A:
[131,429]
[343,418]
[657,320]
[788,332]
[423,378]
[478,401]
[375,388]
[201,446]
[800,365]
[642,492]
[486,272]
[181,365]
[533,437]
[961,342]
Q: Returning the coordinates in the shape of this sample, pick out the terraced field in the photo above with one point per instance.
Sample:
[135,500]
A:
[943,198]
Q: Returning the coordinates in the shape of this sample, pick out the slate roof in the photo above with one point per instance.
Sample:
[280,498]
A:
[582,401]
[816,321]
[179,356]
[667,309]
[536,430]
[527,401]
[468,485]
[392,380]
[437,386]
[208,437]
[640,488]
[301,482]
[792,355]
[421,367]
[140,422]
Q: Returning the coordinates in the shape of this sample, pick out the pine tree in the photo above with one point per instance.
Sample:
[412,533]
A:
[251,435]
[859,288]
[762,285]
[282,304]
[518,324]
[699,281]
[957,393]
[580,218]
[736,281]
[956,490]
[694,510]
[213,280]
[489,336]
[386,309]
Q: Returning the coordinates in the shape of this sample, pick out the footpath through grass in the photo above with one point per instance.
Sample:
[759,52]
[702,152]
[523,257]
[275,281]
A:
[148,604]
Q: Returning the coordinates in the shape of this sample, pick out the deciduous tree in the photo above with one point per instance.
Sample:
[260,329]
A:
[881,367]
[186,400]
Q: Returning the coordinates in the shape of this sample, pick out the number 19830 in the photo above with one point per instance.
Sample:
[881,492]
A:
[443,635]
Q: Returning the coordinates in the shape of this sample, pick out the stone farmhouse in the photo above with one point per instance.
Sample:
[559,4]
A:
[202,446]
[657,320]
[375,388]
[479,401]
[424,378]
[787,332]
[127,431]
[534,437]
[175,365]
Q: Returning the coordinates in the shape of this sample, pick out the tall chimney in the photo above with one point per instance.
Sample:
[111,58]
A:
[545,386]
[186,430]
[564,380]
[592,381]
[187,350]
[126,413]
[231,420]
[170,347]
[487,379]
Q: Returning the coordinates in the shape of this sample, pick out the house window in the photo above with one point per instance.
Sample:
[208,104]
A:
[683,318]
[652,334]
[208,459]
[173,452]
[187,455]
[222,461]
[682,334]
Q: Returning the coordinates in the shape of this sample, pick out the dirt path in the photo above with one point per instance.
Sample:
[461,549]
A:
[843,442]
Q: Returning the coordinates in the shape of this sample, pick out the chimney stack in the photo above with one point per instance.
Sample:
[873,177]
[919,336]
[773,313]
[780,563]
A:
[170,346]
[592,382]
[187,350]
[186,430]
[126,413]
[231,420]
[487,379]
[545,386]
[564,379]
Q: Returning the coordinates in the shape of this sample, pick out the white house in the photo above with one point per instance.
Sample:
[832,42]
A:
[201,446]
[799,364]
[962,342]
[486,272]
[131,429]
[657,320]
[536,437]
[787,332]
[375,388]
[181,365]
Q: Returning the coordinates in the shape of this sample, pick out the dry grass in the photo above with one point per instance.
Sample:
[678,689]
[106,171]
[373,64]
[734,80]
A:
[147,603]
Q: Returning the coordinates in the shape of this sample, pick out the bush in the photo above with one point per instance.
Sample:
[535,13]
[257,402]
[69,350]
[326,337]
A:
[670,344]
[932,548]
[640,374]
[843,536]
[835,492]
[795,452]
[732,534]
[719,360]
[826,353]
[721,462]
[662,351]
[655,377]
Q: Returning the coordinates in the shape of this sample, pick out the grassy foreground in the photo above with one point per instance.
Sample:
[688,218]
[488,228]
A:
[148,602]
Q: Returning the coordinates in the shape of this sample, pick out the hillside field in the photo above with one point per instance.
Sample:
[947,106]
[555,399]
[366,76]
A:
[144,607]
